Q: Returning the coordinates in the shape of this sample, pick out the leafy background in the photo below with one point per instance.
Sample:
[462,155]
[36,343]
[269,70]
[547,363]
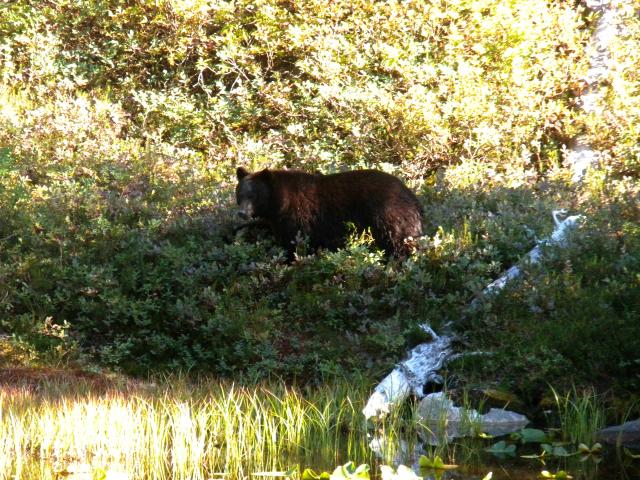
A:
[121,124]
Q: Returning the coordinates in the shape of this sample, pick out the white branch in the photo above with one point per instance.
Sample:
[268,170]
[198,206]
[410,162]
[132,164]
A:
[422,365]
[557,238]
[426,359]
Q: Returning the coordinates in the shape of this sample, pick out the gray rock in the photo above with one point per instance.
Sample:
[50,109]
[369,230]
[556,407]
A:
[627,434]
[444,421]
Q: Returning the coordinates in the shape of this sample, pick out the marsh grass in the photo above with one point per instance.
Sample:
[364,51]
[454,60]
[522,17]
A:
[581,414]
[179,430]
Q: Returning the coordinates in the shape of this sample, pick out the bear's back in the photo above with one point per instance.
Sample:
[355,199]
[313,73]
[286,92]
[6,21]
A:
[372,187]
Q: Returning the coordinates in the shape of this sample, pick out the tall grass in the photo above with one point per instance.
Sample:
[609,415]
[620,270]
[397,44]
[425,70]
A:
[581,414]
[180,431]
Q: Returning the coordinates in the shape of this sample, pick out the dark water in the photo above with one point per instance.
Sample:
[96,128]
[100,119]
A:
[612,465]
[609,466]
[474,464]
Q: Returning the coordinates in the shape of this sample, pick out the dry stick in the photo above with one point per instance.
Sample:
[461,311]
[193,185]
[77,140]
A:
[426,359]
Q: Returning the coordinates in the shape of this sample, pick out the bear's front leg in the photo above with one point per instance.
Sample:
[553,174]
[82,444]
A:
[288,235]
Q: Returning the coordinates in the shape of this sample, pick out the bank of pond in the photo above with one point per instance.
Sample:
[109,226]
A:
[176,429]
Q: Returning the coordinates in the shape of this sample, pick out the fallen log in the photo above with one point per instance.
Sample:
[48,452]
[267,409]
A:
[425,360]
[557,238]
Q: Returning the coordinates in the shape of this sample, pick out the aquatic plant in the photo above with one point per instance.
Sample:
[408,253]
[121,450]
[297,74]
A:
[175,430]
[581,414]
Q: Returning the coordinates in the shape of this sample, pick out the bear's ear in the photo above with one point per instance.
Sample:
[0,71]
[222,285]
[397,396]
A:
[241,172]
[266,174]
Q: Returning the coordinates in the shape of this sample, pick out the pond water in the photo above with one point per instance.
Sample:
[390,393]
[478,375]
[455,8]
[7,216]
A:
[474,464]
[605,467]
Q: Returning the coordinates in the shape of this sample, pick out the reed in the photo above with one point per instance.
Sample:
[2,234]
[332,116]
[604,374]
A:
[581,414]
[180,430]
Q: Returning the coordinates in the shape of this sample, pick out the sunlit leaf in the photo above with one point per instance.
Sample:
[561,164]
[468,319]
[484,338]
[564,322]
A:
[436,463]
[559,475]
[350,471]
[309,474]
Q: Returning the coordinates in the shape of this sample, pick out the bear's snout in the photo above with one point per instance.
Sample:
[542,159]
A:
[246,210]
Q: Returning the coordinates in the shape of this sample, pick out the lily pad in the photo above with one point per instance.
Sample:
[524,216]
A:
[556,450]
[595,449]
[530,435]
[559,475]
[309,474]
[436,463]
[502,448]
[349,471]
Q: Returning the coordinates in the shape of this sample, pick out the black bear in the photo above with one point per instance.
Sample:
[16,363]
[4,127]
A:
[320,207]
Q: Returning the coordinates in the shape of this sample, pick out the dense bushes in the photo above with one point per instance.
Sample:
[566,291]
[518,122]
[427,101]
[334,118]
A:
[121,124]
[412,84]
[572,319]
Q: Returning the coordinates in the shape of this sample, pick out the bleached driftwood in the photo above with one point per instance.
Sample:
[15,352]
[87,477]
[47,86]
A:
[557,238]
[422,366]
[426,359]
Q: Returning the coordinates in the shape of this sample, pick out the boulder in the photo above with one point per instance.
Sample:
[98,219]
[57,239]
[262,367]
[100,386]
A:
[627,434]
[444,421]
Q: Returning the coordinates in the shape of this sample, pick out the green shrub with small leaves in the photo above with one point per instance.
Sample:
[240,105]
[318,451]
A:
[122,123]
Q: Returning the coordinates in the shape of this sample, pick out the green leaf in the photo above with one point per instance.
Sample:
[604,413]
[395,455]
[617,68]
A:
[630,454]
[534,456]
[488,476]
[309,474]
[436,463]
[502,448]
[559,475]
[530,435]
[99,474]
[556,450]
[595,449]
[349,471]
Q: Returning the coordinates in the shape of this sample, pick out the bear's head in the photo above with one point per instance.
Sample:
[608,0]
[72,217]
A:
[253,193]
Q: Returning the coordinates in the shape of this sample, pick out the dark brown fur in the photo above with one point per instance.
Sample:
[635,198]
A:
[321,206]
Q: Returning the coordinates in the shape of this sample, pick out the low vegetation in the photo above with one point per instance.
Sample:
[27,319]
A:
[121,124]
[177,430]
